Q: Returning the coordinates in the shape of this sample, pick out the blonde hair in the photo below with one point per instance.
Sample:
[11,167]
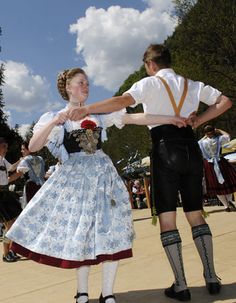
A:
[64,78]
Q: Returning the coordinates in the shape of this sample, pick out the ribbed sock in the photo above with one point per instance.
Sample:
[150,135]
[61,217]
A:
[171,242]
[203,240]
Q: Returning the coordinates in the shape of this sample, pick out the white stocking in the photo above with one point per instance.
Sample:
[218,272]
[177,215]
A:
[229,197]
[109,270]
[223,199]
[82,282]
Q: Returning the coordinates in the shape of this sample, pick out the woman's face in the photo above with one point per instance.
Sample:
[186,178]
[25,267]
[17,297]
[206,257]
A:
[24,151]
[3,149]
[78,88]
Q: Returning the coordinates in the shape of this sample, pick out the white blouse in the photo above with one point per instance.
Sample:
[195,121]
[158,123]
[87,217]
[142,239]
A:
[151,92]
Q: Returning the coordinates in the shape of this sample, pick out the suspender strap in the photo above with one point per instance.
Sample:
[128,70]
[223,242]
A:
[176,108]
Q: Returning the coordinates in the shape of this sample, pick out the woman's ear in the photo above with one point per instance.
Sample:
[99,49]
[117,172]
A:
[68,89]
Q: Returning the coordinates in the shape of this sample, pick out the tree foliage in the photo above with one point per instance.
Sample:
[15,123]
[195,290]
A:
[204,48]
[11,135]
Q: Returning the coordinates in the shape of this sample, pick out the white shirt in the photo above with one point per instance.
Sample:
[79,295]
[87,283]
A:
[4,173]
[152,93]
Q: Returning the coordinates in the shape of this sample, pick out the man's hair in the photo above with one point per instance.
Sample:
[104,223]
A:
[159,54]
[208,129]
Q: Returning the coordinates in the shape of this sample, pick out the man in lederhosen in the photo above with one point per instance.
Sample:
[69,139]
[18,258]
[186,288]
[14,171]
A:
[176,158]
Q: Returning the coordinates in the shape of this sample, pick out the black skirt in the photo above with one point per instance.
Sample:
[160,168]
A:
[10,207]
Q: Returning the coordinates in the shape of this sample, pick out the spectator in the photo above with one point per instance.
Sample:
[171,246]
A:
[220,175]
[9,205]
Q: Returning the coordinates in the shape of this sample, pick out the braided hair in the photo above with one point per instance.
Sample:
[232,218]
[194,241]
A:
[64,78]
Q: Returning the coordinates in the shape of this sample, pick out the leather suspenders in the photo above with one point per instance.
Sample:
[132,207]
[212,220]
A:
[176,108]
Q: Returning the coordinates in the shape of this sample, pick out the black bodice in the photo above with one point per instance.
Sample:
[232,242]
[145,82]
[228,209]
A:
[86,140]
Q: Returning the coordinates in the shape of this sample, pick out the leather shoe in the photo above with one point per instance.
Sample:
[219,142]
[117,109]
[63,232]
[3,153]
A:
[213,287]
[183,295]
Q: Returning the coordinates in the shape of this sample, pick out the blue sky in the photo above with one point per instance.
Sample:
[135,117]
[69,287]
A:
[105,37]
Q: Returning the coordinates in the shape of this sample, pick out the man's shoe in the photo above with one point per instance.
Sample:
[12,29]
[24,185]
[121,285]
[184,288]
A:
[8,258]
[213,287]
[227,209]
[183,295]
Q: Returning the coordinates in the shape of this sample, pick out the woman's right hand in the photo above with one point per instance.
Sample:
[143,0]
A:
[60,118]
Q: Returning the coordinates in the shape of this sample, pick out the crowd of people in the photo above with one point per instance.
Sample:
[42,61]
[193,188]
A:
[81,214]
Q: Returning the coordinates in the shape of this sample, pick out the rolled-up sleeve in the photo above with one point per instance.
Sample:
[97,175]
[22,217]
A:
[209,94]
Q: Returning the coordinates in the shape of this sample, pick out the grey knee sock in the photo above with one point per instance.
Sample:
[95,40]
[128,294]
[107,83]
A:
[171,242]
[203,240]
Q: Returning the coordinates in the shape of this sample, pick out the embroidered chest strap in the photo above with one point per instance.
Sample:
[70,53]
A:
[176,108]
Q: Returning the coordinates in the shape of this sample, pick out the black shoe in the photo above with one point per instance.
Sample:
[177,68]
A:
[14,255]
[80,294]
[232,206]
[213,287]
[183,295]
[8,258]
[227,209]
[103,299]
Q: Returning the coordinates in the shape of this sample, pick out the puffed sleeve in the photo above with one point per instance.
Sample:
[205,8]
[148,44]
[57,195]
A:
[22,167]
[108,120]
[55,139]
[114,118]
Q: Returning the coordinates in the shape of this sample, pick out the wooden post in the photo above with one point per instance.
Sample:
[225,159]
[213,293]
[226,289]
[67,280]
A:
[146,187]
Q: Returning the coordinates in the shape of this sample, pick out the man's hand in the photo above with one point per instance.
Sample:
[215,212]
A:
[192,120]
[77,113]
[178,121]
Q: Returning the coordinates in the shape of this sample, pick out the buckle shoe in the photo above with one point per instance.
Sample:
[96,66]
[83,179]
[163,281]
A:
[103,299]
[8,258]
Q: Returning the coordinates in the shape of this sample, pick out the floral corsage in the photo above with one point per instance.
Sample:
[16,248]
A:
[88,137]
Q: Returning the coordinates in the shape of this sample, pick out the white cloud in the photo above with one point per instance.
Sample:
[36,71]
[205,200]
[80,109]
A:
[112,41]
[23,90]
[8,116]
[23,129]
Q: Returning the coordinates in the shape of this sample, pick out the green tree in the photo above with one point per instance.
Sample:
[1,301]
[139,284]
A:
[182,7]
[204,48]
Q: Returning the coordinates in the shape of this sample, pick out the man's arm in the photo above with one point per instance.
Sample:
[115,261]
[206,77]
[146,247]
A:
[14,176]
[106,106]
[14,165]
[222,104]
[148,119]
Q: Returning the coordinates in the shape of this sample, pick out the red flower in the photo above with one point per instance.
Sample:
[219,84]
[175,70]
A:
[88,124]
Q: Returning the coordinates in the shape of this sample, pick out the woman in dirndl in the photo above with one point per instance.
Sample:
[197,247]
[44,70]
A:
[9,205]
[220,175]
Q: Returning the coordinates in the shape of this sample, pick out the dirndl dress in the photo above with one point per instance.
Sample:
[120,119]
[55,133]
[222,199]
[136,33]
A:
[213,187]
[82,213]
[220,176]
